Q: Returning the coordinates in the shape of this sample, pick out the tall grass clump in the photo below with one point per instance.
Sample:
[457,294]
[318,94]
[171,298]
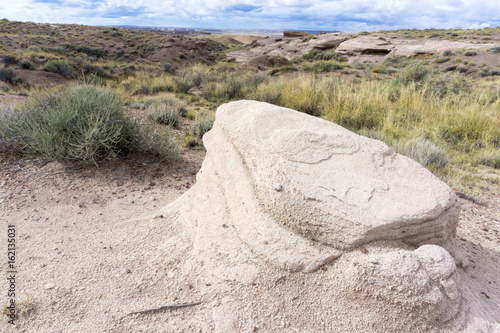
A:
[355,106]
[269,92]
[323,66]
[60,67]
[185,80]
[415,73]
[424,152]
[200,127]
[165,110]
[302,93]
[232,87]
[81,122]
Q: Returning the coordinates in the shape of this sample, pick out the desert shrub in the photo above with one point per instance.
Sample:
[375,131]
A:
[232,87]
[4,87]
[462,69]
[94,70]
[448,53]
[199,127]
[424,152]
[170,103]
[61,67]
[311,55]
[26,64]
[170,67]
[185,80]
[441,60]
[67,46]
[164,114]
[323,67]
[148,85]
[302,94]
[449,83]
[285,68]
[81,122]
[7,75]
[9,60]
[93,52]
[331,55]
[268,92]
[396,61]
[415,73]
[55,50]
[470,53]
[495,49]
[490,158]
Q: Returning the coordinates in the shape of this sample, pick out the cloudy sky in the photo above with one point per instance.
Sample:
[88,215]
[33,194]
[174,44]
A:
[344,15]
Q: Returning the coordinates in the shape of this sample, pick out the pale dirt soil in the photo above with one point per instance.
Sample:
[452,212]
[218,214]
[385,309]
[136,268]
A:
[87,259]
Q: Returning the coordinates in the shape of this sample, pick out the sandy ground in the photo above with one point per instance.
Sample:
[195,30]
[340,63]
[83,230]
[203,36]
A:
[86,260]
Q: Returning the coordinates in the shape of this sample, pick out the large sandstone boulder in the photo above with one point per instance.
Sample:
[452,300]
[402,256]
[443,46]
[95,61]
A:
[293,217]
[299,189]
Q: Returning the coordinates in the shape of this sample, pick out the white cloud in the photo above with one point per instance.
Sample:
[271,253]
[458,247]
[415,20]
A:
[347,15]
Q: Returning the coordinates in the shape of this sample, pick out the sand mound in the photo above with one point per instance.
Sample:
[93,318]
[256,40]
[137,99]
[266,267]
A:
[300,224]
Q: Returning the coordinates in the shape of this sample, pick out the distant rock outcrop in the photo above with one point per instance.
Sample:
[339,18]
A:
[289,48]
[366,45]
[296,34]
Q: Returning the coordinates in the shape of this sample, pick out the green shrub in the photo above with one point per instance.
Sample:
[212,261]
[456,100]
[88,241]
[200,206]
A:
[26,64]
[441,60]
[7,75]
[199,127]
[396,61]
[95,52]
[164,114]
[9,60]
[185,80]
[495,49]
[415,73]
[424,152]
[61,67]
[170,67]
[323,67]
[165,110]
[55,50]
[4,87]
[490,158]
[470,53]
[269,92]
[76,123]
[232,87]
[448,53]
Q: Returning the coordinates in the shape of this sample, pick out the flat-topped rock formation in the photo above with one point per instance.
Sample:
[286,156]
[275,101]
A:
[367,45]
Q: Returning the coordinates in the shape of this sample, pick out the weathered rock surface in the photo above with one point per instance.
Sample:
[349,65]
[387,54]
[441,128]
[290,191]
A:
[423,280]
[282,206]
[366,45]
[287,47]
[296,34]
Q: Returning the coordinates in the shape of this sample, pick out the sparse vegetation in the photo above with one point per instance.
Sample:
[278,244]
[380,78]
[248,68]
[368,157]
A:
[60,67]
[81,122]
[436,101]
